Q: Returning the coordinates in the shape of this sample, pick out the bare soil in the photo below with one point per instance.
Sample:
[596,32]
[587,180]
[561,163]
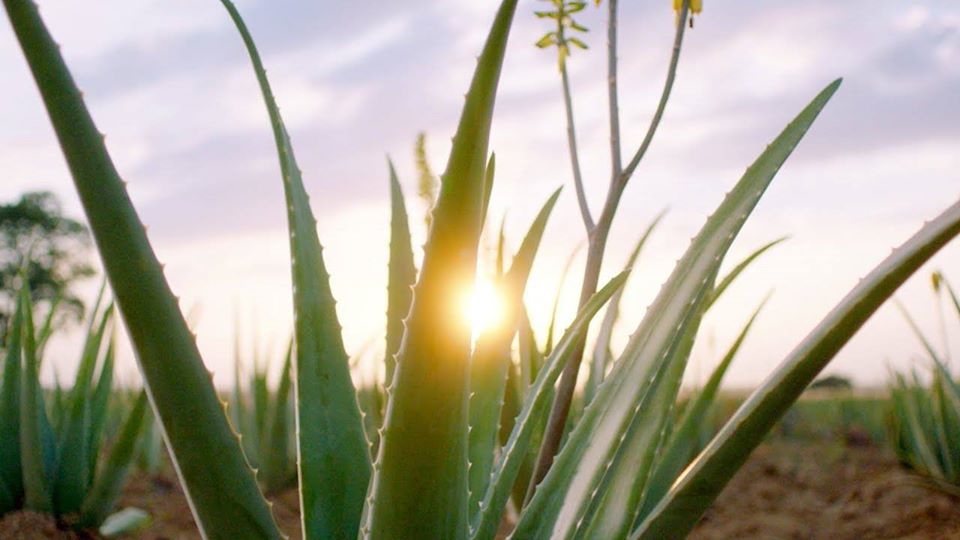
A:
[787,490]
[26,525]
[828,491]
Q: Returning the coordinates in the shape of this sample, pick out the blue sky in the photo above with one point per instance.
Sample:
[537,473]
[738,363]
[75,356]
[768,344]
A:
[170,85]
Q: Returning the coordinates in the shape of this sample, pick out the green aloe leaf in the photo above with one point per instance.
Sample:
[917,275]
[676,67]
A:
[488,177]
[46,329]
[105,491]
[941,427]
[277,464]
[334,461]
[420,481]
[682,443]
[491,361]
[402,273]
[535,407]
[918,333]
[679,511]
[178,384]
[260,398]
[948,395]
[10,473]
[237,406]
[565,495]
[37,453]
[519,379]
[620,491]
[551,328]
[953,295]
[738,269]
[911,404]
[602,353]
[100,404]
[73,470]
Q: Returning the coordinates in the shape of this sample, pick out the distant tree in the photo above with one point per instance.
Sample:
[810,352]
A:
[832,382]
[51,248]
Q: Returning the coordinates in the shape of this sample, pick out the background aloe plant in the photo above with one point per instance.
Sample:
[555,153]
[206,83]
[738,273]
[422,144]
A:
[50,453]
[925,418]
[428,477]
[263,415]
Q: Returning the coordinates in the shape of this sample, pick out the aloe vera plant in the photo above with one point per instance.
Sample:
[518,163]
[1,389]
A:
[925,419]
[431,475]
[263,415]
[51,463]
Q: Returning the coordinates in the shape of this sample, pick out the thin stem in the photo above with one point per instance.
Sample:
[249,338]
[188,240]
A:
[664,97]
[598,243]
[574,154]
[615,159]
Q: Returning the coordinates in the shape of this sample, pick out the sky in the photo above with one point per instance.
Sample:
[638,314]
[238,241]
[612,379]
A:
[170,85]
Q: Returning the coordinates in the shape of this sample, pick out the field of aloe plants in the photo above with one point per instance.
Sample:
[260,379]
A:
[470,434]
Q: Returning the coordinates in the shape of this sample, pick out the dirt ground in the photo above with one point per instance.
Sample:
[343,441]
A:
[786,491]
[828,492]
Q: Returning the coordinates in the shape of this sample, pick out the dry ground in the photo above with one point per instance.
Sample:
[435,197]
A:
[787,490]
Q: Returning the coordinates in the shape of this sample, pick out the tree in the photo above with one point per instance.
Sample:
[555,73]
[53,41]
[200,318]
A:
[51,248]
[832,382]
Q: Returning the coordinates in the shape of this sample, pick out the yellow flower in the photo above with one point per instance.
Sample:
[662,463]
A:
[696,6]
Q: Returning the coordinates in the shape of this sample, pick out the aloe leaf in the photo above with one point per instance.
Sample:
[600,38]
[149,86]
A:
[277,463]
[488,177]
[677,513]
[602,353]
[99,405]
[682,443]
[420,482]
[124,522]
[922,454]
[610,512]
[402,273]
[952,389]
[35,454]
[953,295]
[563,496]
[518,377]
[918,333]
[150,450]
[498,267]
[105,491]
[260,398]
[73,471]
[530,358]
[534,409]
[334,461]
[945,450]
[10,473]
[178,384]
[949,406]
[556,298]
[237,406]
[46,329]
[731,276]
[491,361]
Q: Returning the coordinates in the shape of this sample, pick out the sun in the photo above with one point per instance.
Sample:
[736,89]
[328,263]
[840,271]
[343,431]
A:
[483,307]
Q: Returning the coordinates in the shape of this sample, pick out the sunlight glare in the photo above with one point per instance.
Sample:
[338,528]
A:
[483,307]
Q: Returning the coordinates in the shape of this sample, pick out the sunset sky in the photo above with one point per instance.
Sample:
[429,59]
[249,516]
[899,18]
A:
[170,84]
